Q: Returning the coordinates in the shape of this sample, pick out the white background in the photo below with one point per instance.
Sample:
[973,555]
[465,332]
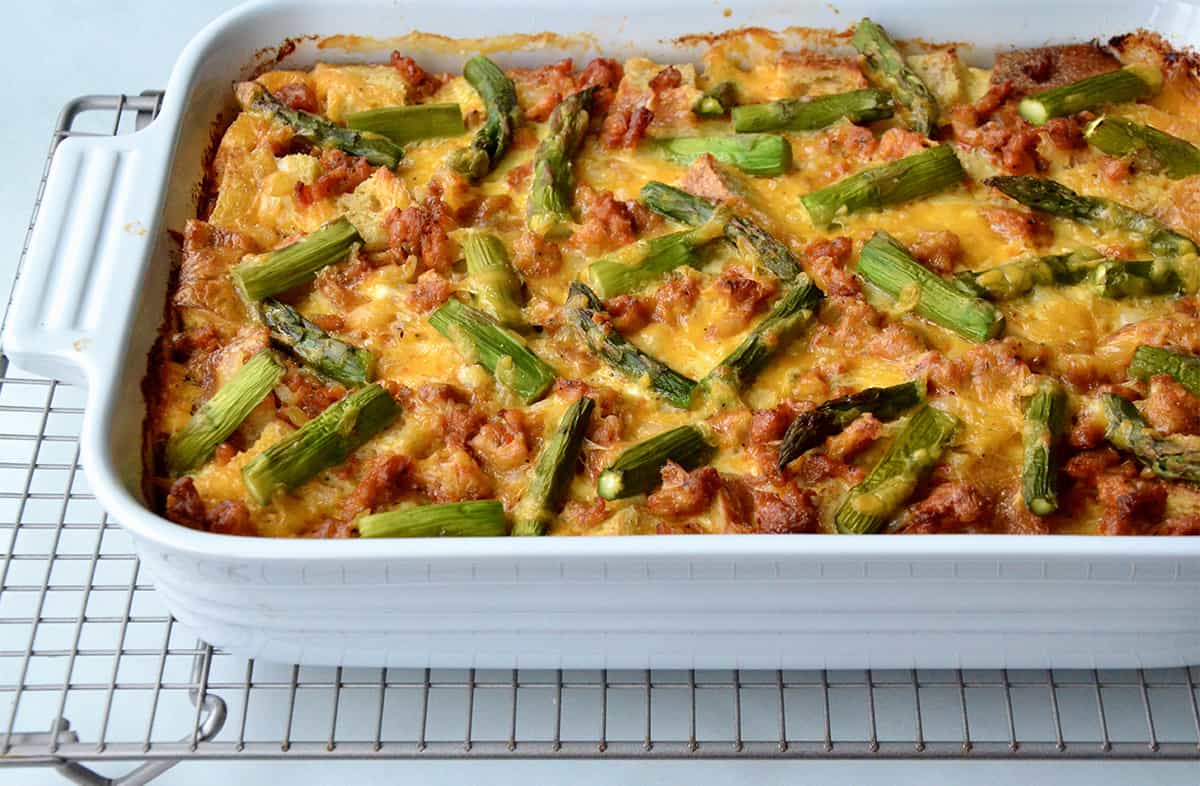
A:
[58,49]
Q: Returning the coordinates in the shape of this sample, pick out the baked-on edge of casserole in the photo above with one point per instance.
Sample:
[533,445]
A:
[777,290]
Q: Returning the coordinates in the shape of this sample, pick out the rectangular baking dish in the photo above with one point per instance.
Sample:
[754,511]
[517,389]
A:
[89,301]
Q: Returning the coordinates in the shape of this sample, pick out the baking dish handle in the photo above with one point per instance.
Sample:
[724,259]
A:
[73,300]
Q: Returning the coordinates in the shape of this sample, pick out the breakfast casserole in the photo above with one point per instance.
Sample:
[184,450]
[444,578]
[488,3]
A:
[848,286]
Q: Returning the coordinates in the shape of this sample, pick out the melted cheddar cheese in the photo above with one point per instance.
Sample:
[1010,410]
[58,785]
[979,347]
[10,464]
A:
[463,435]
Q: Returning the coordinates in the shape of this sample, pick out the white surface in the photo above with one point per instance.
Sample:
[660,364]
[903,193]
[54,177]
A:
[129,46]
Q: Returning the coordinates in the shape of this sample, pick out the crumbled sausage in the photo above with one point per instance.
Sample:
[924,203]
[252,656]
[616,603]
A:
[1170,408]
[503,442]
[231,517]
[184,505]
[460,418]
[940,251]
[298,95]
[604,74]
[675,299]
[340,174]
[744,298]
[585,515]
[704,178]
[1020,226]
[535,256]
[421,230]
[312,395]
[386,479]
[950,507]
[629,313]
[826,261]
[1065,133]
[1131,505]
[785,510]
[625,128]
[606,223]
[431,290]
[452,475]
[896,143]
[606,426]
[1115,170]
[769,425]
[418,79]
[855,438]
[666,79]
[683,493]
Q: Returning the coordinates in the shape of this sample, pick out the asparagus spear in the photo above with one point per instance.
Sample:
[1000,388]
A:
[550,479]
[1056,199]
[638,469]
[717,100]
[645,261]
[1153,150]
[1114,87]
[791,311]
[1150,361]
[914,176]
[754,154]
[888,265]
[264,275]
[1045,418]
[217,418]
[1013,279]
[479,519]
[553,177]
[377,149]
[502,352]
[885,67]
[328,356]
[794,114]
[493,281]
[409,123]
[813,427]
[503,114]
[1173,458]
[892,481]
[323,442]
[1120,278]
[679,205]
[587,313]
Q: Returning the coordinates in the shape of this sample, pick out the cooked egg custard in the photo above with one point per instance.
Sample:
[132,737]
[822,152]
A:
[462,431]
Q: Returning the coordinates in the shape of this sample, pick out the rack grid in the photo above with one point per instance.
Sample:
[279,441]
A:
[93,667]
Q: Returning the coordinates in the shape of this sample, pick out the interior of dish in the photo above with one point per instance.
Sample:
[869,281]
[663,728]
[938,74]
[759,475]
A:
[486,323]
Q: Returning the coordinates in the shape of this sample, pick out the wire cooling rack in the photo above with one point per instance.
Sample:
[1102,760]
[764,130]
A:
[92,666]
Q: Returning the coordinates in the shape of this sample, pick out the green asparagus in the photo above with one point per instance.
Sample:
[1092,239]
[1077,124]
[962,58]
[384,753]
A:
[790,313]
[755,154]
[1045,418]
[912,177]
[492,279]
[549,207]
[638,469]
[1150,361]
[870,504]
[1114,87]
[316,130]
[679,205]
[1016,278]
[646,261]
[503,114]
[717,100]
[885,67]
[586,312]
[813,427]
[1170,457]
[1120,278]
[403,124]
[1056,199]
[478,519]
[480,339]
[263,275]
[551,477]
[1152,150]
[323,442]
[795,114]
[887,265]
[217,418]
[328,356]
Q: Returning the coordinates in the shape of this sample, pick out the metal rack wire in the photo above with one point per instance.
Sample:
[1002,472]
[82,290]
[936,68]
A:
[93,667]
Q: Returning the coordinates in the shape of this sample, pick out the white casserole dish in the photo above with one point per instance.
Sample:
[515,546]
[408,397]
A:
[90,300]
